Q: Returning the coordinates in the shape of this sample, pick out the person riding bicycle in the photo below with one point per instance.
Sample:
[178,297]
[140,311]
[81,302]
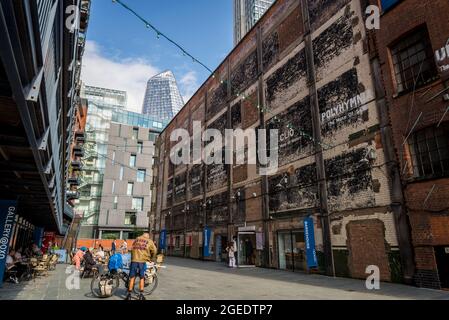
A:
[143,251]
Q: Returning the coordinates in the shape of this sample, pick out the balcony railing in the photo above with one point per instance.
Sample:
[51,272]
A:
[71,195]
[77,165]
[68,210]
[80,137]
[74,181]
[78,151]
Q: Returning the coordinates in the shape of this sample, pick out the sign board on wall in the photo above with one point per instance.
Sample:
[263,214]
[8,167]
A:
[442,60]
[206,246]
[8,211]
[162,240]
[309,238]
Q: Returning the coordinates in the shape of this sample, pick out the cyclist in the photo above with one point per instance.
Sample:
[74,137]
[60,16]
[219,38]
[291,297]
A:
[143,251]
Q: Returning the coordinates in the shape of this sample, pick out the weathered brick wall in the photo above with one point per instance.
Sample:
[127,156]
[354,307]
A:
[350,125]
[426,200]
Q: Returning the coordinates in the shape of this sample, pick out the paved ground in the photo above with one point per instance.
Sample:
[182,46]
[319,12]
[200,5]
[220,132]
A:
[185,279]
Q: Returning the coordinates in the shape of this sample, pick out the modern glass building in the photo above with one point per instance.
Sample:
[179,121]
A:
[107,144]
[246,14]
[162,98]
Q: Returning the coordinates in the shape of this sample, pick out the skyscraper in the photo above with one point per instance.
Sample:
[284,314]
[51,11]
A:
[162,98]
[246,14]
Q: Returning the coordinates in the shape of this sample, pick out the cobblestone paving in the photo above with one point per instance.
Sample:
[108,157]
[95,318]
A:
[185,279]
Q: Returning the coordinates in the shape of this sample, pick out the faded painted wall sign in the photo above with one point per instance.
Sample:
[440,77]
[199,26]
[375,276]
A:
[340,111]
[217,176]
[335,101]
[293,139]
[180,188]
[442,60]
[217,209]
[196,180]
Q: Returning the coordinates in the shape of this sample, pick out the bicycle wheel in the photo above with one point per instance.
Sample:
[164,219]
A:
[98,284]
[26,276]
[151,282]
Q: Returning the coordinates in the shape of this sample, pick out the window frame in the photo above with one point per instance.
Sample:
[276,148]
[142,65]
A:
[132,189]
[435,140]
[397,68]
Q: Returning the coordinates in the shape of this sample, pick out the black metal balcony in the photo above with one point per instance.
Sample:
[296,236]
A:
[77,165]
[78,151]
[72,195]
[74,181]
[80,137]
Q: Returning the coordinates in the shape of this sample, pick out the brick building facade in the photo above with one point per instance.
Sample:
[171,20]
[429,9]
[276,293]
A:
[412,60]
[304,69]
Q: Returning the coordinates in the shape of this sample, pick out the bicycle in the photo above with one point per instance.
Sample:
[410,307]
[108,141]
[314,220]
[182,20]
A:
[105,285]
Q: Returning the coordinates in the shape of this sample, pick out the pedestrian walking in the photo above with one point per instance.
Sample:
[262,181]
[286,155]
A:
[113,247]
[143,250]
[230,249]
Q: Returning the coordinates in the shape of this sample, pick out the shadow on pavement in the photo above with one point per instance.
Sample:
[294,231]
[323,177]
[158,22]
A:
[346,284]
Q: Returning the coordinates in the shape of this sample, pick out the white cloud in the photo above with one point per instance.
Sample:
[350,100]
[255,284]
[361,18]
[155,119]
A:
[130,75]
[188,85]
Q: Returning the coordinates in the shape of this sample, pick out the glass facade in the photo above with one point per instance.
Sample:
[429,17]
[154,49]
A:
[103,105]
[246,15]
[162,98]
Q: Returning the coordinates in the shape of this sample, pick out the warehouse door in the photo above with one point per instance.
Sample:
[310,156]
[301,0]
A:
[442,256]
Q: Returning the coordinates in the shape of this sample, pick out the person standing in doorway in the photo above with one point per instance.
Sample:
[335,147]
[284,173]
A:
[249,251]
[230,249]
[143,250]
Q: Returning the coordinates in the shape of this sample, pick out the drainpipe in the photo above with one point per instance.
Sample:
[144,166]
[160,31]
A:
[319,158]
[264,179]
[401,218]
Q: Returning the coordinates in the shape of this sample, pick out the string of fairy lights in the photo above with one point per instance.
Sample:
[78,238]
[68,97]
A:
[160,34]
[244,97]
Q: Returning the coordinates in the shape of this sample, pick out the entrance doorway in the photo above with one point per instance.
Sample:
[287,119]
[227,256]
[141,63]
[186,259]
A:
[221,242]
[291,248]
[442,257]
[246,249]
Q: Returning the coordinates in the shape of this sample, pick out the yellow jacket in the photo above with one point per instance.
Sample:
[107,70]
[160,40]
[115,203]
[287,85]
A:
[143,250]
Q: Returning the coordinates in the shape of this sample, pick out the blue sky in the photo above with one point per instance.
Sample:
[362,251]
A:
[123,54]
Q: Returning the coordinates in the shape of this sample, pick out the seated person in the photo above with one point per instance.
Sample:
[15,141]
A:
[18,255]
[100,254]
[79,256]
[89,262]
[11,269]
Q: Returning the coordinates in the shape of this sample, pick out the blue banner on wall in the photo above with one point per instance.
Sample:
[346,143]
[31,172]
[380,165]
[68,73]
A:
[163,240]
[309,238]
[388,4]
[206,242]
[8,210]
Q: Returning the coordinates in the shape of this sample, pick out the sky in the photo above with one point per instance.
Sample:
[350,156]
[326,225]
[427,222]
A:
[121,53]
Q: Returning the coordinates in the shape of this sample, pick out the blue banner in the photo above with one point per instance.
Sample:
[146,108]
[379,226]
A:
[8,211]
[309,238]
[206,242]
[388,4]
[163,240]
